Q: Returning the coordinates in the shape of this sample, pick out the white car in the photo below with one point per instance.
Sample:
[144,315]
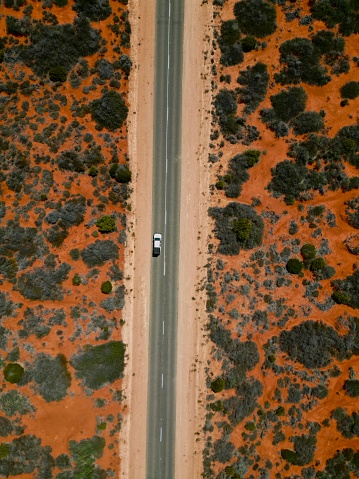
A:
[156,244]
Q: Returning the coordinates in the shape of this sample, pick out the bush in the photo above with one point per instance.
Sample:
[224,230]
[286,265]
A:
[225,218]
[106,287]
[230,33]
[350,90]
[288,179]
[248,43]
[84,454]
[98,366]
[106,224]
[307,122]
[70,161]
[13,372]
[304,448]
[51,376]
[243,404]
[256,17]
[308,251]
[237,172]
[76,280]
[43,284]
[352,213]
[332,12]
[95,10]
[223,450]
[313,344]
[96,254]
[120,173]
[13,402]
[294,266]
[217,385]
[317,265]
[58,74]
[351,387]
[345,461]
[289,103]
[347,425]
[255,85]
[301,61]
[242,227]
[231,55]
[347,290]
[109,111]
[288,455]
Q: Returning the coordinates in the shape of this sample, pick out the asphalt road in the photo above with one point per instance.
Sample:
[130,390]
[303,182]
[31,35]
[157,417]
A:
[165,209]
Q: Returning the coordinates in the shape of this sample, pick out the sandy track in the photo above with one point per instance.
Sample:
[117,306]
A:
[192,350]
[138,251]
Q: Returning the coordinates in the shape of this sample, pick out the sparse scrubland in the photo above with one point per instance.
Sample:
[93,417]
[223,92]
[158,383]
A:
[283,279]
[65,185]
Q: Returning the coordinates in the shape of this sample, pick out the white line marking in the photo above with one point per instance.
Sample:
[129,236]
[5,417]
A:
[162,381]
[163,328]
[161,434]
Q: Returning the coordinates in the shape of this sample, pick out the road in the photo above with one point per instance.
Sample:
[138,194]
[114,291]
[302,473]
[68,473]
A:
[165,209]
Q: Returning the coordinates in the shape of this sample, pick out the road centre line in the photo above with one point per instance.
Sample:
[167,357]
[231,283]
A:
[161,434]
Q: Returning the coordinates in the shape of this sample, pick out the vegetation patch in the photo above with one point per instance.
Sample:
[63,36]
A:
[106,224]
[237,173]
[109,111]
[350,90]
[98,366]
[13,402]
[346,291]
[231,242]
[96,254]
[13,372]
[254,81]
[256,17]
[51,376]
[96,10]
[43,284]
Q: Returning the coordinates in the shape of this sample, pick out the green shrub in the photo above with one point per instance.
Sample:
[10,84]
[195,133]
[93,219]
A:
[248,43]
[93,171]
[256,17]
[230,32]
[288,455]
[4,450]
[218,385]
[327,42]
[347,290]
[288,179]
[13,372]
[242,227]
[351,387]
[217,406]
[350,90]
[98,366]
[76,280]
[120,173]
[95,10]
[58,74]
[61,3]
[84,454]
[225,218]
[294,266]
[308,251]
[109,111]
[237,172]
[280,411]
[13,402]
[70,161]
[106,224]
[307,122]
[317,265]
[106,287]
[43,284]
[340,298]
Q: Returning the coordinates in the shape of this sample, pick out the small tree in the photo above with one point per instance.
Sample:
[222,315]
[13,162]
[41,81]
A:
[350,90]
[308,251]
[58,74]
[217,385]
[76,280]
[106,224]
[13,373]
[294,266]
[317,265]
[340,298]
[242,227]
[106,287]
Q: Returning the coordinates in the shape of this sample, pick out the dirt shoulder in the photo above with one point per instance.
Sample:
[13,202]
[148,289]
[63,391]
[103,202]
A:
[137,262]
[191,348]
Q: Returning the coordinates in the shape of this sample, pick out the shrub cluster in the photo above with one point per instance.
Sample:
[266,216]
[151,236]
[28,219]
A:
[95,10]
[106,287]
[237,173]
[121,173]
[98,366]
[304,449]
[106,224]
[59,46]
[13,372]
[229,43]
[51,376]
[96,254]
[313,344]
[347,425]
[254,81]
[345,461]
[230,242]
[294,266]
[351,387]
[352,212]
[241,405]
[43,284]
[332,13]
[256,17]
[301,60]
[109,111]
[346,291]
[350,90]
